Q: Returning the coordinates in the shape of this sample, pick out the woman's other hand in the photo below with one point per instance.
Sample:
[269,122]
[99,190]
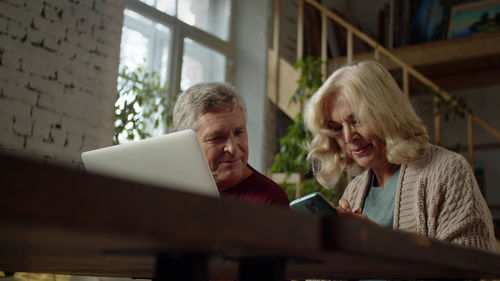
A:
[344,209]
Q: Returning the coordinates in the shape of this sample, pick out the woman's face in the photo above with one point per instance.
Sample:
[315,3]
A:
[366,148]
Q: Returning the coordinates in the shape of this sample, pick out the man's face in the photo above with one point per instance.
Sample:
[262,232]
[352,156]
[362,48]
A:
[224,140]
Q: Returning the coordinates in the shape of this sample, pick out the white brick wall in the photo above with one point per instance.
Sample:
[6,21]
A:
[58,69]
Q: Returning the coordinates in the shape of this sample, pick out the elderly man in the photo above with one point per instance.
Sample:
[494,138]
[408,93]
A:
[218,116]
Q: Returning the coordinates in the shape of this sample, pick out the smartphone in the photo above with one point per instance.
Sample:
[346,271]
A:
[313,203]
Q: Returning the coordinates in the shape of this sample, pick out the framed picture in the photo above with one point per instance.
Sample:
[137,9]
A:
[474,18]
[429,21]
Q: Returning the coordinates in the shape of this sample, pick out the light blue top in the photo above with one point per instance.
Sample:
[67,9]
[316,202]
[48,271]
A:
[379,202]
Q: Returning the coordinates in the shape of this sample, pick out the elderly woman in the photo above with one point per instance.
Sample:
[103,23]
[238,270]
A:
[360,117]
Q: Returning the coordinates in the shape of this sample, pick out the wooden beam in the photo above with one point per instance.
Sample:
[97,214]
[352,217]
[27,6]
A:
[440,52]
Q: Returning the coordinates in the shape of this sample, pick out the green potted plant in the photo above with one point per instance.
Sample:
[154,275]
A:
[142,105]
[291,157]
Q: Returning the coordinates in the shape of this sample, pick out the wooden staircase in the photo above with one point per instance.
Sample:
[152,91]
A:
[282,76]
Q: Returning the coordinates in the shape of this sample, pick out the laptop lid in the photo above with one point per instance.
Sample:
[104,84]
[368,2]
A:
[173,160]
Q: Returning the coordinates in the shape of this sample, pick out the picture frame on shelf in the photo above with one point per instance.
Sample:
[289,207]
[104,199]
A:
[474,18]
[429,21]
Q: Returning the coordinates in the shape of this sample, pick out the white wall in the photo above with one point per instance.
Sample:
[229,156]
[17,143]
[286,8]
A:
[58,67]
[483,102]
[56,98]
[251,24]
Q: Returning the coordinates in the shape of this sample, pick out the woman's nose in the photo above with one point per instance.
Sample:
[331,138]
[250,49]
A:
[348,133]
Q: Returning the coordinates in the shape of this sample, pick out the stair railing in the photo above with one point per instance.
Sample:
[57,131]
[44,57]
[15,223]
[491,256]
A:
[378,50]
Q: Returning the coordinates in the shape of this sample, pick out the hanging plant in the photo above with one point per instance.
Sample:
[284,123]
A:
[452,108]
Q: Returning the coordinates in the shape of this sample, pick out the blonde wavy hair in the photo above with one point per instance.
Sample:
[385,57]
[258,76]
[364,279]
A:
[378,103]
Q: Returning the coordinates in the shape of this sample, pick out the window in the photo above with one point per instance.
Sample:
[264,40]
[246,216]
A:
[185,41]
[211,16]
[144,42]
[200,64]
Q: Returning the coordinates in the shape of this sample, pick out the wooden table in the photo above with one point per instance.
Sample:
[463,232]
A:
[57,220]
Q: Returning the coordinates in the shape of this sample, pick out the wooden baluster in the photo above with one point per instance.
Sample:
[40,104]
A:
[470,129]
[349,46]
[406,83]
[437,122]
[300,30]
[324,44]
[298,192]
[376,54]
[276,47]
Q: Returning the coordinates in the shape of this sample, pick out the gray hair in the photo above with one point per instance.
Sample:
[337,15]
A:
[202,98]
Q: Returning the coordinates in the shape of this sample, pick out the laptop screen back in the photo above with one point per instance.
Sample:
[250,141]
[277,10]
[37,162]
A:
[173,160]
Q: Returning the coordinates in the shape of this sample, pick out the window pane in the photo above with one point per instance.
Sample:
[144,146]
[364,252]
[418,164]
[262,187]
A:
[144,44]
[131,15]
[213,16]
[162,41]
[166,6]
[134,48]
[149,2]
[201,64]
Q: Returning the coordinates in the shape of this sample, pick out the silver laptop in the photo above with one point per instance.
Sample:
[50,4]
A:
[172,160]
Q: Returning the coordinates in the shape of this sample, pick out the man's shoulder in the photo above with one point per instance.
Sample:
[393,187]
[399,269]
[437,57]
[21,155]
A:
[258,177]
[259,183]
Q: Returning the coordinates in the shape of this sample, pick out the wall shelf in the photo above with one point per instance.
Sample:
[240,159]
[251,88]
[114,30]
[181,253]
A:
[460,63]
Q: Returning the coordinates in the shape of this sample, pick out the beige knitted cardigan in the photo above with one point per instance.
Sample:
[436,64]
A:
[437,196]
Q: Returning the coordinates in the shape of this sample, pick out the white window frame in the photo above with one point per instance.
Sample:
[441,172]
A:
[179,31]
